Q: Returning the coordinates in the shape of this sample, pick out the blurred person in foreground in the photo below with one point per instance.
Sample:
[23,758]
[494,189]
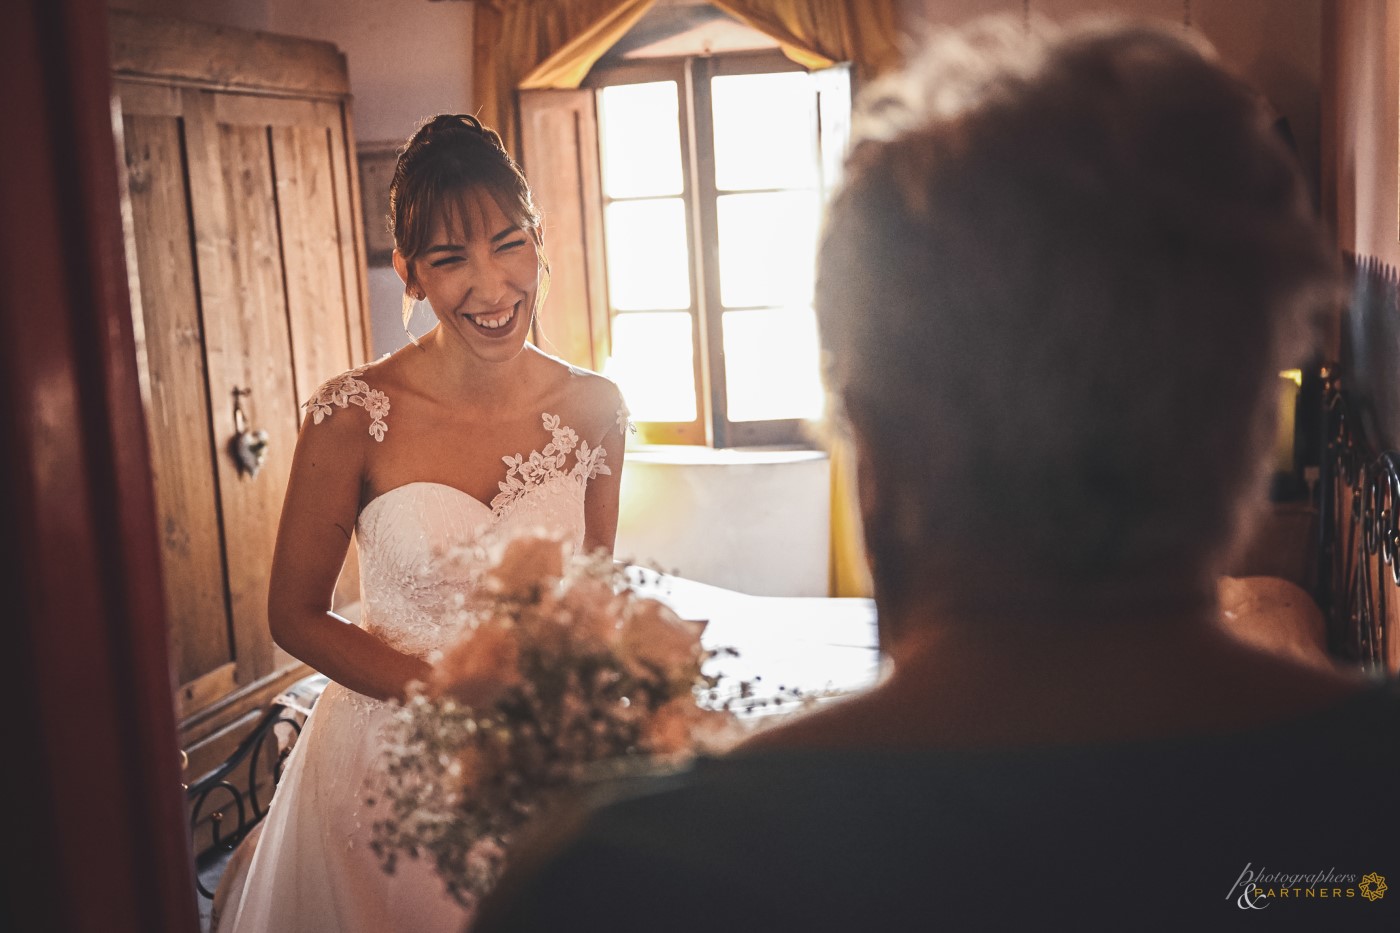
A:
[1056,288]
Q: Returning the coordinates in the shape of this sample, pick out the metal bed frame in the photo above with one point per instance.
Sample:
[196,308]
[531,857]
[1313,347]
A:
[242,809]
[1359,519]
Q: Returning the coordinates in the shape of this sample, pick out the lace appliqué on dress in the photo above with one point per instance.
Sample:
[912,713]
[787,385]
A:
[625,424]
[349,389]
[542,466]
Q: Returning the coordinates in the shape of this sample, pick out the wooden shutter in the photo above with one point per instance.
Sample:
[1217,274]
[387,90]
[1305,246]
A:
[559,144]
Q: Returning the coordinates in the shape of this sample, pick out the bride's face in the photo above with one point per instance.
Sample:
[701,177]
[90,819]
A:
[481,274]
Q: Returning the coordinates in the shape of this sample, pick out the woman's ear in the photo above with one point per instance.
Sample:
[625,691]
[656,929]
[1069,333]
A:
[401,267]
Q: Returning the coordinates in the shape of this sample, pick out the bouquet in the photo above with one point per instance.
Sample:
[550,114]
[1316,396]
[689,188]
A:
[562,673]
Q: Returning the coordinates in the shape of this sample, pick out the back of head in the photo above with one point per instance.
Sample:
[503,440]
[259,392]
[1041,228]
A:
[1056,286]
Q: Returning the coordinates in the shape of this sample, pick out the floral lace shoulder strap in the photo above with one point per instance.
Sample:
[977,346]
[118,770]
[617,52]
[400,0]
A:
[526,473]
[349,389]
[625,424]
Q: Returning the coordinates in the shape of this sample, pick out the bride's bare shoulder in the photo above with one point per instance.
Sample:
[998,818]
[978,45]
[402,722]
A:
[581,394]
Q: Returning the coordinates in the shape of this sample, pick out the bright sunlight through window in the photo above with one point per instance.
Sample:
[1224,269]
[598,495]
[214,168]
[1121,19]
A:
[759,213]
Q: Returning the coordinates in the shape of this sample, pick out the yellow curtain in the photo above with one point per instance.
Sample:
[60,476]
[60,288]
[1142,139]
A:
[820,33]
[849,571]
[539,44]
[554,43]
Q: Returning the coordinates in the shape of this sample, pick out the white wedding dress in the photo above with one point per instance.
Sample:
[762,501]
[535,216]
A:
[312,869]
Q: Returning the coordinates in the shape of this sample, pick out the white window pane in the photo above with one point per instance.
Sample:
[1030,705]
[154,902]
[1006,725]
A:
[653,364]
[648,266]
[834,101]
[765,131]
[639,135]
[767,248]
[772,365]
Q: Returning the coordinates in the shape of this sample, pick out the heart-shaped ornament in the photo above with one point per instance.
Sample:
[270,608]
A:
[250,450]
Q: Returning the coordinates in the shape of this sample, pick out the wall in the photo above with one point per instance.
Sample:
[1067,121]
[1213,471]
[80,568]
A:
[408,59]
[1361,145]
[1273,44]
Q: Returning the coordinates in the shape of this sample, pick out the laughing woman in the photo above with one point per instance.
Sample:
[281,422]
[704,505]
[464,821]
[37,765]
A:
[468,429]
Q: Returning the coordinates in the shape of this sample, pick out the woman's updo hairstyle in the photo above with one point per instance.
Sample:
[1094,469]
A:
[450,156]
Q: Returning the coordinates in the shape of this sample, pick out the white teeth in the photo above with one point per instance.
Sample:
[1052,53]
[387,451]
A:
[489,324]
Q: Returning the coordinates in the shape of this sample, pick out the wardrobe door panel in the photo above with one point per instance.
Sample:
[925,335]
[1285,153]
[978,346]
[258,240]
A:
[249,358]
[316,299]
[182,453]
[320,318]
[349,236]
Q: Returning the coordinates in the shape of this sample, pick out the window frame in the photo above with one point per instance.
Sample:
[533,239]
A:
[693,74]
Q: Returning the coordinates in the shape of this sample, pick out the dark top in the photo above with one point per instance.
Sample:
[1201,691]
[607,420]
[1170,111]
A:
[1125,836]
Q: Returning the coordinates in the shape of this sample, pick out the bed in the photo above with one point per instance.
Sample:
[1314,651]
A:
[1358,586]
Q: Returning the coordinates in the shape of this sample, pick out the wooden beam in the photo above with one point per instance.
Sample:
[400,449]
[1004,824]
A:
[214,56]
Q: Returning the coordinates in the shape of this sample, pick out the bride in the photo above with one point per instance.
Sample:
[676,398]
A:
[469,428]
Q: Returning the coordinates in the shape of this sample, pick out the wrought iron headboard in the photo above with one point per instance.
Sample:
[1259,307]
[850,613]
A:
[240,808]
[1358,586]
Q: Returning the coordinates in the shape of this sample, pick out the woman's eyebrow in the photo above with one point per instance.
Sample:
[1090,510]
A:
[445,248]
[508,231]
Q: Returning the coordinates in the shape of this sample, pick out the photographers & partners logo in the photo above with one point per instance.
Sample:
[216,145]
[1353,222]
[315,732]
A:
[1260,889]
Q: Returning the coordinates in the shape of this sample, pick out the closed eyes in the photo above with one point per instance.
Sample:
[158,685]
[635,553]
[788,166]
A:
[455,253]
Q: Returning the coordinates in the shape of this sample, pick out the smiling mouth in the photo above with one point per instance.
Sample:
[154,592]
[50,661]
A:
[494,321]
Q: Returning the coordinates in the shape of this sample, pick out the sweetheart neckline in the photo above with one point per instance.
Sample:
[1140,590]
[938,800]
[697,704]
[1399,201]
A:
[543,470]
[425,482]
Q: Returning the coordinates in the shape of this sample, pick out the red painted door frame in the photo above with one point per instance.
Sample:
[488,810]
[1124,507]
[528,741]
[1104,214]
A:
[94,822]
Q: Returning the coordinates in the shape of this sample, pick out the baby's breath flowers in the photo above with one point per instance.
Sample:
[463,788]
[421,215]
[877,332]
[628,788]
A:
[563,672]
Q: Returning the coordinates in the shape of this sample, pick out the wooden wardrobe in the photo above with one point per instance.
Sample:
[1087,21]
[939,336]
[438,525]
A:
[248,291]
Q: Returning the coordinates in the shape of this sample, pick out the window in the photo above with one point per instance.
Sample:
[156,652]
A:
[713,176]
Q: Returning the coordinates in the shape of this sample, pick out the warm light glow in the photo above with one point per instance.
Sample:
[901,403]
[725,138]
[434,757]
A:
[771,365]
[1287,419]
[765,131]
[770,175]
[648,263]
[653,364]
[767,248]
[639,138]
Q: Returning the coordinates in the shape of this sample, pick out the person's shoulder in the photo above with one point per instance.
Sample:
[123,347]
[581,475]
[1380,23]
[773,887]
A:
[594,396]
[1377,709]
[599,840]
[362,387]
[592,386]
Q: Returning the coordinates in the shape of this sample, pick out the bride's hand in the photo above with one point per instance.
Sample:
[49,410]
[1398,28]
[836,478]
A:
[478,670]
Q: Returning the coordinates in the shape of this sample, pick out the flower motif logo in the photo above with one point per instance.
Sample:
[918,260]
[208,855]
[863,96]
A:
[1373,887]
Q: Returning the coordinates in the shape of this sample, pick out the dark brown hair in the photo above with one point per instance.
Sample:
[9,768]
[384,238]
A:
[452,155]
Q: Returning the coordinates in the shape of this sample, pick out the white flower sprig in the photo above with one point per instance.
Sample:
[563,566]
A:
[563,673]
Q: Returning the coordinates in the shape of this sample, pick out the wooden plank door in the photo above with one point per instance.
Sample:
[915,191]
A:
[247,350]
[320,261]
[244,230]
[170,343]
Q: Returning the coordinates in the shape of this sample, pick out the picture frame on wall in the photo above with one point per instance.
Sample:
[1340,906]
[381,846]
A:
[377,161]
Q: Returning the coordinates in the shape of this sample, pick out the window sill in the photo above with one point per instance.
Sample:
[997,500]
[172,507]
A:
[694,455]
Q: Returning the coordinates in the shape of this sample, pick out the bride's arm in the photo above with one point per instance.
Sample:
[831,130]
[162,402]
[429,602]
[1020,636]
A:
[600,502]
[318,514]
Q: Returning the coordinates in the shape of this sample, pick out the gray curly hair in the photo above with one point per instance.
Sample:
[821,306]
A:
[1055,290]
